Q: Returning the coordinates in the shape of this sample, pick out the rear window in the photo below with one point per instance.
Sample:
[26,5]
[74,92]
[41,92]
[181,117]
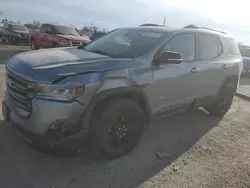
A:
[208,46]
[232,46]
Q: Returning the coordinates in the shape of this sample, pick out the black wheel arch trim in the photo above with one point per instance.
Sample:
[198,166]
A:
[135,93]
[233,78]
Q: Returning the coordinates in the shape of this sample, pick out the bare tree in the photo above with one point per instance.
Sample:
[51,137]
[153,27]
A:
[36,22]
[95,28]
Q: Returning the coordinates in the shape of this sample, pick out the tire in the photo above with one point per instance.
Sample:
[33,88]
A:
[10,40]
[55,45]
[223,101]
[33,45]
[3,40]
[117,126]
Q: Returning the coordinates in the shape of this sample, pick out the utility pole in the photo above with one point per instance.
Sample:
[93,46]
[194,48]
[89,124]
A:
[164,20]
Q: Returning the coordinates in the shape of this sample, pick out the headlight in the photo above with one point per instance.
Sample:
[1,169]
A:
[65,43]
[58,93]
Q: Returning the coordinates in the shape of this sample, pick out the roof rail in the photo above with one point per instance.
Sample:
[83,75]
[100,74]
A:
[148,24]
[200,27]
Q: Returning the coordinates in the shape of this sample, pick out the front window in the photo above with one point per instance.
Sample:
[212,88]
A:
[64,30]
[18,27]
[184,44]
[125,43]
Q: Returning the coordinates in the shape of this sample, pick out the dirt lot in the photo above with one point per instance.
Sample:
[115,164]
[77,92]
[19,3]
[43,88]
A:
[186,150]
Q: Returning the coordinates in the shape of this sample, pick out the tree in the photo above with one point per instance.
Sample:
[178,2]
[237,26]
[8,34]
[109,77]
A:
[95,28]
[36,22]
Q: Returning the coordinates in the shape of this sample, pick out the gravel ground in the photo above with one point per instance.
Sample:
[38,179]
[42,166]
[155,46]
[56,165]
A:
[190,149]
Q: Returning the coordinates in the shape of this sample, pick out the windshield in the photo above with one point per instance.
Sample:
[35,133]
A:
[18,27]
[125,43]
[66,30]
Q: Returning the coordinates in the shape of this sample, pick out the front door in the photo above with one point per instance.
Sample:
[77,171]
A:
[174,83]
[47,43]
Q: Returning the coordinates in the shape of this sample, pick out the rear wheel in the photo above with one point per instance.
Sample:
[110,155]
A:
[55,45]
[33,44]
[117,127]
[224,100]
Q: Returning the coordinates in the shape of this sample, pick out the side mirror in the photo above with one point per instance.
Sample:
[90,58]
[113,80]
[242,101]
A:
[169,57]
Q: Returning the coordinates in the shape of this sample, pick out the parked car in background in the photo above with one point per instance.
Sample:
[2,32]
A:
[51,36]
[97,35]
[14,33]
[109,90]
[245,53]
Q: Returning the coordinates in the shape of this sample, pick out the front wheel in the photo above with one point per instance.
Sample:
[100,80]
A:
[117,127]
[33,45]
[11,41]
[224,100]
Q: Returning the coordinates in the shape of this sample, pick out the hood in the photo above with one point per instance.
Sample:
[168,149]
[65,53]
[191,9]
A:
[46,66]
[75,38]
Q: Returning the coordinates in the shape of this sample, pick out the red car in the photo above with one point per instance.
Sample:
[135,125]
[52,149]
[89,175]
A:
[52,36]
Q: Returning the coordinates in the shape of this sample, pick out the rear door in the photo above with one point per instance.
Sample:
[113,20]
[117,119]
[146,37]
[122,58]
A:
[173,83]
[211,65]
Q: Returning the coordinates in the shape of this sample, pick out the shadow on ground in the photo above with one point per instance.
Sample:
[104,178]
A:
[21,166]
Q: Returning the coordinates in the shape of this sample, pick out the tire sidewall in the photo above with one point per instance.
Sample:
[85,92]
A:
[215,109]
[33,44]
[101,123]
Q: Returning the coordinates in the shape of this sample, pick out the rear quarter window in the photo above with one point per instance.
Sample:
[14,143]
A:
[232,46]
[208,46]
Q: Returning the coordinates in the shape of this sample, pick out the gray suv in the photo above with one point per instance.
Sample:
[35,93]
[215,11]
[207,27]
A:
[109,90]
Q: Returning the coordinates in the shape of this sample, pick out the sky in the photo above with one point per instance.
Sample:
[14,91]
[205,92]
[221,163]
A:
[231,17]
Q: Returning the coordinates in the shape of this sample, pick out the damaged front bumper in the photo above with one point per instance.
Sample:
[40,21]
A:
[64,119]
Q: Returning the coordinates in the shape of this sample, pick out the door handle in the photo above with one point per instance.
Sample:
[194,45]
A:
[194,70]
[225,66]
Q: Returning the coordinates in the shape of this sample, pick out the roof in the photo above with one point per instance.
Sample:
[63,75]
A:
[154,28]
[172,29]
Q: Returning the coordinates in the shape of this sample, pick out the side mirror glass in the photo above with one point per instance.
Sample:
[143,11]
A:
[169,57]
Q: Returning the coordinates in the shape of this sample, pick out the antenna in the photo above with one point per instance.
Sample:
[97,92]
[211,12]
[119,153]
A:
[164,20]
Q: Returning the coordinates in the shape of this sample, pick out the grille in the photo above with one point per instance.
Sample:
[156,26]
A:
[24,35]
[73,43]
[20,91]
